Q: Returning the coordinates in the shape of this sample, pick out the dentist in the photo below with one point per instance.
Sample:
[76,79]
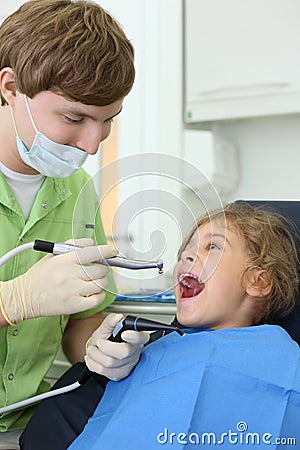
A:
[65,68]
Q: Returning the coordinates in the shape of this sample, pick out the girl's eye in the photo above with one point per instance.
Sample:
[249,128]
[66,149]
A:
[213,246]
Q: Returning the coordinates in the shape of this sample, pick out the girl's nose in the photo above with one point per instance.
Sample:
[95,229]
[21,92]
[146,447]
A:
[188,256]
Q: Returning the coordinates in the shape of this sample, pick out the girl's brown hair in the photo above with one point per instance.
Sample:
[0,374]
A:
[271,244]
[73,48]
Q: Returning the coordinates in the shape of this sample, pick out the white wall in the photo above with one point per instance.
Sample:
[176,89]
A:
[269,156]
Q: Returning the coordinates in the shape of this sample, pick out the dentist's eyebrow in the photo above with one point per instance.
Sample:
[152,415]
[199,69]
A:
[79,113]
[115,115]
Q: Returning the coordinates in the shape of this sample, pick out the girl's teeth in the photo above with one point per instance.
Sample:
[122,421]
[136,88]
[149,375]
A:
[191,285]
[185,283]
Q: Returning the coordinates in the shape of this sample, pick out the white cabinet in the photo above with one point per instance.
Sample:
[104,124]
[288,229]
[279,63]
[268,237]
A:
[242,58]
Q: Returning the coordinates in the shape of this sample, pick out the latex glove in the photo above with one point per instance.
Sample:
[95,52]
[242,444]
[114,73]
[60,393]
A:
[57,285]
[115,360]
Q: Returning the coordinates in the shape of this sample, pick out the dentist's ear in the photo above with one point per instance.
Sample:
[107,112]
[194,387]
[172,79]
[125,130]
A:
[259,283]
[7,85]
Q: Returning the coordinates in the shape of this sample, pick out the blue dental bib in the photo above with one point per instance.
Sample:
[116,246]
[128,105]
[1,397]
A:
[234,388]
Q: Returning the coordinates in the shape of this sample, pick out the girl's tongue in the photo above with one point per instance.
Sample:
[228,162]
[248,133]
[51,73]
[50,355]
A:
[190,286]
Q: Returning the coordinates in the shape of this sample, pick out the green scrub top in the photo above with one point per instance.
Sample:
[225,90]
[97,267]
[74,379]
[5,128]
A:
[64,208]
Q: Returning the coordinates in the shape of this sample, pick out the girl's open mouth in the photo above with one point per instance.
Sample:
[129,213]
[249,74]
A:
[190,285]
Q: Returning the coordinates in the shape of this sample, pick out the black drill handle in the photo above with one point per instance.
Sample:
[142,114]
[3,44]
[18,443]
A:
[131,323]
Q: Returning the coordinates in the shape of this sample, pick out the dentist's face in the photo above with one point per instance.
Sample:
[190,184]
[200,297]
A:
[64,121]
[208,279]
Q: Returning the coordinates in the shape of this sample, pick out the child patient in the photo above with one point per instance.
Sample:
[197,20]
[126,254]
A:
[231,379]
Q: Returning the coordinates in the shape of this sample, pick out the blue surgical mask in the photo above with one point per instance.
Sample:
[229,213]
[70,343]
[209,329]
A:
[48,157]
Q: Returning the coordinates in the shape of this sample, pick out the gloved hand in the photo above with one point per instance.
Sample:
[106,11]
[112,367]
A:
[115,360]
[62,284]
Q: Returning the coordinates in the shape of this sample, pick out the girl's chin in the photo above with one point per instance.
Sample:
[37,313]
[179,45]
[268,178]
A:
[187,319]
[188,310]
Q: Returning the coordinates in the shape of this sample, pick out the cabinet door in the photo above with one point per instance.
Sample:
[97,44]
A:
[242,58]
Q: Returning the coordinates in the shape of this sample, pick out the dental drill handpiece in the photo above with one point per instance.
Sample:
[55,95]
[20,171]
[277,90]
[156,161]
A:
[58,248]
[130,323]
[139,324]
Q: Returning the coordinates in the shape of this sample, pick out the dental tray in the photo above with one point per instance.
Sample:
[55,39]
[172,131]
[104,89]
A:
[147,295]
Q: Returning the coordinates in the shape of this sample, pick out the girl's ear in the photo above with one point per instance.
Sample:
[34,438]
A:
[8,85]
[258,283]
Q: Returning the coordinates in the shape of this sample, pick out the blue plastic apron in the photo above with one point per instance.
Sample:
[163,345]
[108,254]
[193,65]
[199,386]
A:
[231,388]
